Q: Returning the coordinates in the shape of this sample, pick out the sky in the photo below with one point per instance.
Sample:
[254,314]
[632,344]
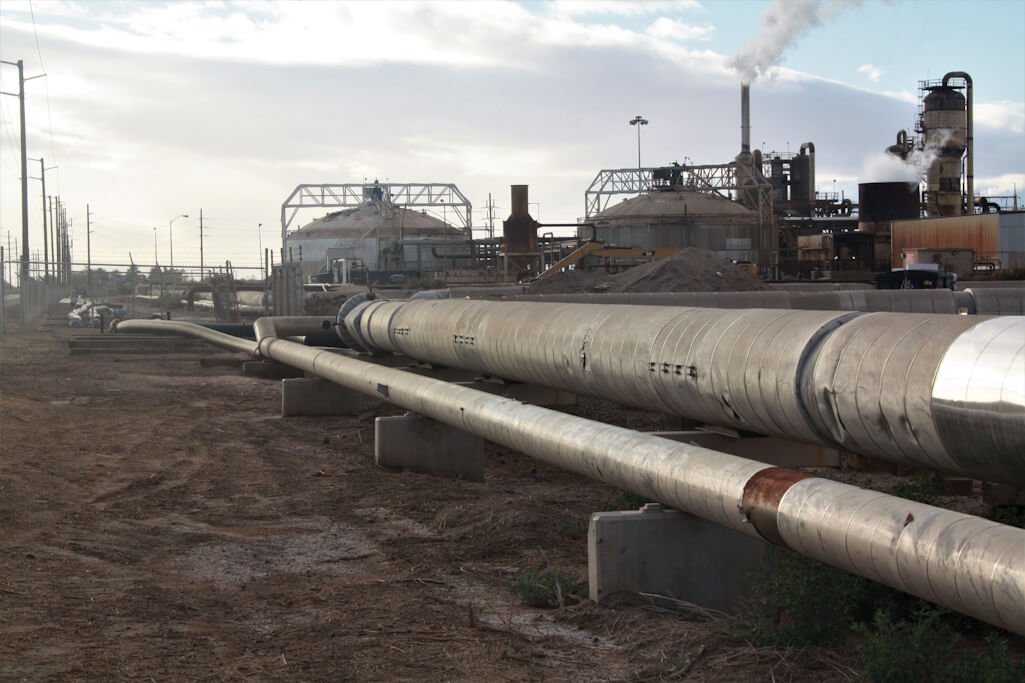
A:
[149,110]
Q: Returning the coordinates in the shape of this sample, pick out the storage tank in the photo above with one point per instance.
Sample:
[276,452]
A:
[382,235]
[945,131]
[679,218]
[882,203]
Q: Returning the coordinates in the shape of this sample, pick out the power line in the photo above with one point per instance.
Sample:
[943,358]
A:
[49,116]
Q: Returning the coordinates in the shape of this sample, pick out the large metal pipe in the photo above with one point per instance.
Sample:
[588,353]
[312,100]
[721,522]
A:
[962,562]
[211,336]
[995,301]
[903,387]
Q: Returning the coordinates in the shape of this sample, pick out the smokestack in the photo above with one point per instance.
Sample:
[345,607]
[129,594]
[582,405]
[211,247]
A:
[519,202]
[745,118]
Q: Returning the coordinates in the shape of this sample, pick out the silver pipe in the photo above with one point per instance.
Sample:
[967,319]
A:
[992,301]
[219,339]
[291,326]
[962,562]
[865,382]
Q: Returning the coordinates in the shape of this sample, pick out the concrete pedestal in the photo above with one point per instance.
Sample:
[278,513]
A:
[425,445]
[315,396]
[671,553]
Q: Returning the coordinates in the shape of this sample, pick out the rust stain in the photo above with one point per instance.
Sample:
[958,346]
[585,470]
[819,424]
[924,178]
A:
[762,494]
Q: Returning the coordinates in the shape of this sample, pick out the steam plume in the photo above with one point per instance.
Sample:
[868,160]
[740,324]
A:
[886,168]
[782,23]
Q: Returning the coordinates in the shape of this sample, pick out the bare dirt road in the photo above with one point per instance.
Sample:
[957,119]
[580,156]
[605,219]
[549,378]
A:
[160,520]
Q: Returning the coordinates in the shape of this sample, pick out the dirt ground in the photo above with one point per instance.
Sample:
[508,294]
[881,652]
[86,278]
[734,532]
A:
[159,520]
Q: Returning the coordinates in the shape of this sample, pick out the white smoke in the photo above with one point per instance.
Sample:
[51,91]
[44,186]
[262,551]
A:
[782,22]
[887,168]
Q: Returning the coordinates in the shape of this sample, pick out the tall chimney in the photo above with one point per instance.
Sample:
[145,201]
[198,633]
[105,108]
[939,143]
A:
[745,118]
[519,202]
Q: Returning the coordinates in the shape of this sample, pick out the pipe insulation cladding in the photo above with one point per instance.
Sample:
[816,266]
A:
[966,563]
[944,392]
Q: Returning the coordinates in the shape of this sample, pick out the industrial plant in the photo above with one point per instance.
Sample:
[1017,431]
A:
[714,371]
[761,208]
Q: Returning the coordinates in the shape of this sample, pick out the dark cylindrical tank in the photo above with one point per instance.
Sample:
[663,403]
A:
[885,202]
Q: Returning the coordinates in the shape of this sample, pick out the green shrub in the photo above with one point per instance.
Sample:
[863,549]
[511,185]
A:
[626,501]
[543,589]
[804,603]
[927,649]
[572,528]
[924,487]
[1012,515]
[424,283]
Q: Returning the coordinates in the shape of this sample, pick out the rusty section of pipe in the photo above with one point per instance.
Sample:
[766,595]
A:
[762,494]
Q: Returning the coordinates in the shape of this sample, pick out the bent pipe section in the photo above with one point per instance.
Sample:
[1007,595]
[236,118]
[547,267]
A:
[937,391]
[962,562]
[219,339]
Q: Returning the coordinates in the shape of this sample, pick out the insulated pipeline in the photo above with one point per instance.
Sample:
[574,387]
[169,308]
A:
[936,391]
[962,562]
[994,301]
[966,563]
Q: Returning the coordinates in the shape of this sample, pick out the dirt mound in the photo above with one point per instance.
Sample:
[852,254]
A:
[571,281]
[691,270]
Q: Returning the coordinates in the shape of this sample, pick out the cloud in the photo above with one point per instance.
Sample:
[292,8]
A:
[670,29]
[1002,185]
[576,8]
[1001,115]
[872,73]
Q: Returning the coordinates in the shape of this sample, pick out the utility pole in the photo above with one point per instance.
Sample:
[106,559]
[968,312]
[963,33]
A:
[201,245]
[48,207]
[24,175]
[47,252]
[491,217]
[88,255]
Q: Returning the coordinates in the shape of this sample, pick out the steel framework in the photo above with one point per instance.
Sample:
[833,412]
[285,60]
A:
[328,196]
[716,179]
[720,180]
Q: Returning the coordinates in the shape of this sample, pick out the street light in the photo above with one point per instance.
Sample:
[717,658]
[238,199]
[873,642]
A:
[259,237]
[170,235]
[154,246]
[638,121]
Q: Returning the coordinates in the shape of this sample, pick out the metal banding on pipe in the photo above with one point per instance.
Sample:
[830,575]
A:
[860,381]
[956,560]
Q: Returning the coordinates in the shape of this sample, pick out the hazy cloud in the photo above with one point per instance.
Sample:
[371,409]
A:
[872,73]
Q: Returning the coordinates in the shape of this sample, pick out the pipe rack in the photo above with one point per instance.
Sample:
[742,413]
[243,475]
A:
[966,563]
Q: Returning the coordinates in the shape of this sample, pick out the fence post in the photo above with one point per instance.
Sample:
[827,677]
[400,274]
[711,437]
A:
[3,292]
